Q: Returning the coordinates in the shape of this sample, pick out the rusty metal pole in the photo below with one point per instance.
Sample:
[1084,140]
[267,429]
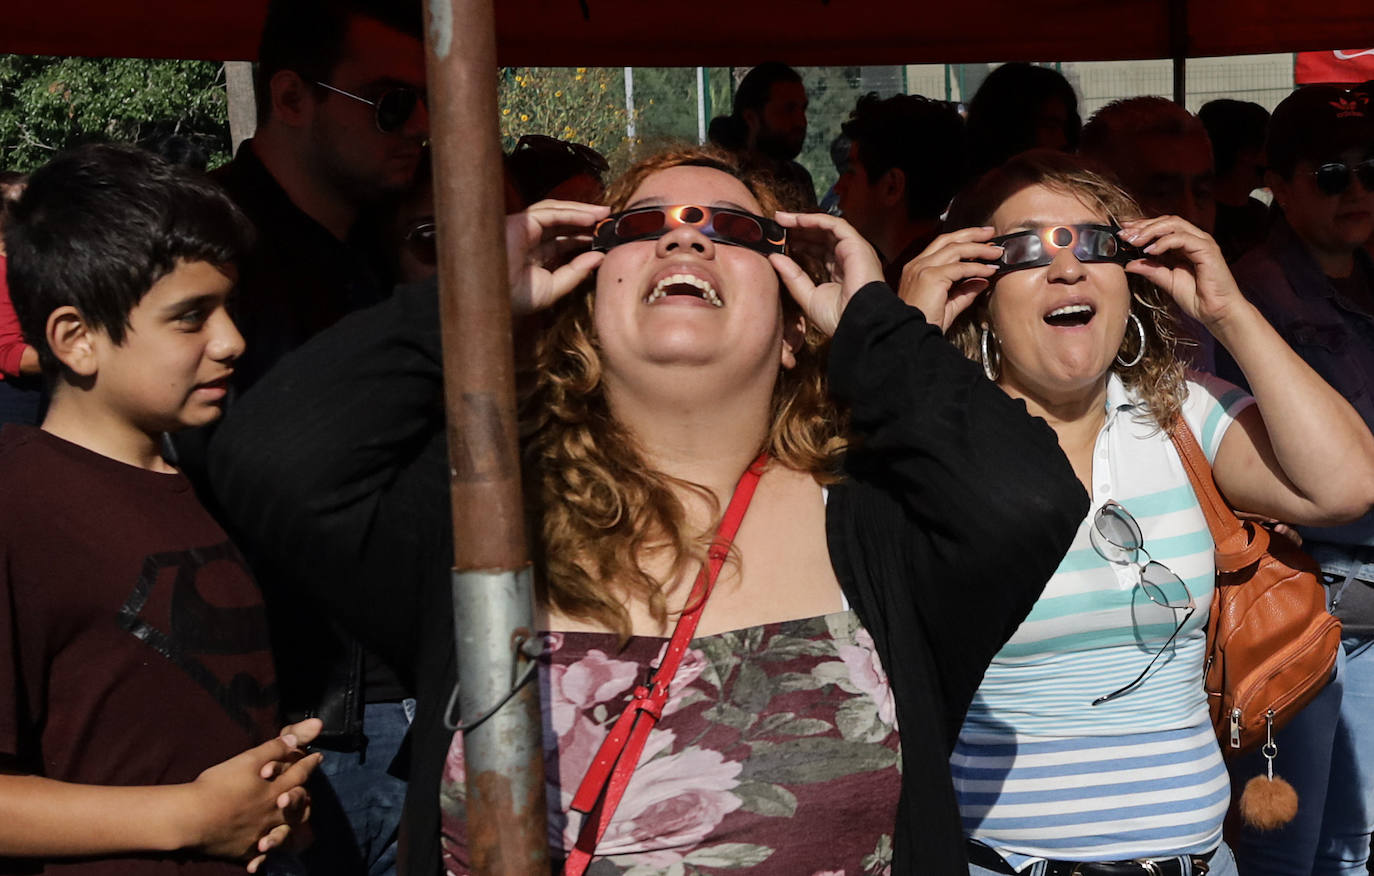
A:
[491,577]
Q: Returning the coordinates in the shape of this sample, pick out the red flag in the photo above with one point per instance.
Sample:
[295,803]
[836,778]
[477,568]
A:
[1338,67]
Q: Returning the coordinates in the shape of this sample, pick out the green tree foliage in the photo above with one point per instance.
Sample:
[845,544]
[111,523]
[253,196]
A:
[49,104]
[582,104]
[587,104]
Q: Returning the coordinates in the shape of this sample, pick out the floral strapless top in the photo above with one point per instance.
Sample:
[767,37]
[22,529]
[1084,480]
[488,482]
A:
[777,753]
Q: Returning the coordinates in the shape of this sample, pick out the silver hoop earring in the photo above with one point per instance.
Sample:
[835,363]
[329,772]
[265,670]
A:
[992,369]
[1140,351]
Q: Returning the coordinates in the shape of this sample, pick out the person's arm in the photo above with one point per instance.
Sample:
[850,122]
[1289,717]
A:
[16,356]
[305,468]
[235,809]
[1302,454]
[333,469]
[28,362]
[970,504]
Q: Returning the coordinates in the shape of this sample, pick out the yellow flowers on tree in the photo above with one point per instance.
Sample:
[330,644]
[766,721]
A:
[582,104]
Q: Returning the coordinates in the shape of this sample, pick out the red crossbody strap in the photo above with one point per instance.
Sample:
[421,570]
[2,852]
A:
[616,759]
[1238,543]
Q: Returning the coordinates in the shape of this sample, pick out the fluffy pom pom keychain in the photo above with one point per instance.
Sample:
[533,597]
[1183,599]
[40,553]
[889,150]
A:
[1268,802]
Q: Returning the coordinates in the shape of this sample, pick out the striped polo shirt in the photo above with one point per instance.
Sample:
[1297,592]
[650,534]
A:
[1042,773]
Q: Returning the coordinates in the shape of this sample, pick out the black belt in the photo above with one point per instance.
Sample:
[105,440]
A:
[985,857]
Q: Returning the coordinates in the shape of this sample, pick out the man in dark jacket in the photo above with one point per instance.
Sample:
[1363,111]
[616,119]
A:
[342,126]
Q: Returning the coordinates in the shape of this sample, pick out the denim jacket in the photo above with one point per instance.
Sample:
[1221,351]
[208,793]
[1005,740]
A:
[1334,336]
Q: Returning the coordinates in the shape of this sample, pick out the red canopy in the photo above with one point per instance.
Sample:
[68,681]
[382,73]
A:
[711,32]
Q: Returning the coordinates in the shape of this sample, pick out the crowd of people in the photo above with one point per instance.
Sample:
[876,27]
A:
[880,503]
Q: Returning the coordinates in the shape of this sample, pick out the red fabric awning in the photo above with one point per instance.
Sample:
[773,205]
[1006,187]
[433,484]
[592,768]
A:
[650,32]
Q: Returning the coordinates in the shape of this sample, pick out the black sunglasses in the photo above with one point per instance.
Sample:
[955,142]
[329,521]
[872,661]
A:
[1333,177]
[1039,246]
[392,108]
[542,144]
[721,224]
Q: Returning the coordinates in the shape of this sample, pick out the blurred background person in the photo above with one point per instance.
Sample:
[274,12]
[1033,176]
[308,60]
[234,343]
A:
[342,128]
[1019,107]
[1236,129]
[21,391]
[1160,154]
[839,157]
[1314,281]
[540,167]
[766,128]
[906,160]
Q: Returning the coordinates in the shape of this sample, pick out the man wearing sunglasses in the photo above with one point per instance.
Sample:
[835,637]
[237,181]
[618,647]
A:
[1313,280]
[342,125]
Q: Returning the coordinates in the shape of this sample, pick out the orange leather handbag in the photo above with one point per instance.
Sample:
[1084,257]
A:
[1271,643]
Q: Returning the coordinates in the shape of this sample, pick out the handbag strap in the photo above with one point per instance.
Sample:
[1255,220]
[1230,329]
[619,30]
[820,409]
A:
[1238,543]
[616,759]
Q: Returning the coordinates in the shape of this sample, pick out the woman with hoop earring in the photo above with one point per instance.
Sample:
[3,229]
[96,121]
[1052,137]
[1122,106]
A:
[1088,747]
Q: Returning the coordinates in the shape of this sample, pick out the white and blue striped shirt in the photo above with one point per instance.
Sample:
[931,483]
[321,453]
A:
[1042,773]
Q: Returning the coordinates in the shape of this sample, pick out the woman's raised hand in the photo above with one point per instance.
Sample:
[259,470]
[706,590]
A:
[850,262]
[947,277]
[538,240]
[1186,262]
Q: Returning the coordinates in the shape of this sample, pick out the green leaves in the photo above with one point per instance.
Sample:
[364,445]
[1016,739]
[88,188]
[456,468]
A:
[762,798]
[729,855]
[51,104]
[800,761]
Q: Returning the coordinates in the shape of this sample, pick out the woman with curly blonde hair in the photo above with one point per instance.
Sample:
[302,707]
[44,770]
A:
[680,366]
[1088,747]
[682,385]
[602,507]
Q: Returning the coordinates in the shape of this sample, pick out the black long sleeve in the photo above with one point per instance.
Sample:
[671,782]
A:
[956,509]
[333,474]
[333,469]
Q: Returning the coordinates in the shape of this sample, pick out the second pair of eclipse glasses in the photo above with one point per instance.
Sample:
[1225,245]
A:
[1021,249]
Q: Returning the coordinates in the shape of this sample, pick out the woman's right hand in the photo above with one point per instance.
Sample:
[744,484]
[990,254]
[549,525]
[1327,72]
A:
[849,260]
[946,278]
[537,240]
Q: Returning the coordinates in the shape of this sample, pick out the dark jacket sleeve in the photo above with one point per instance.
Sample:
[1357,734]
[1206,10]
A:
[957,507]
[332,470]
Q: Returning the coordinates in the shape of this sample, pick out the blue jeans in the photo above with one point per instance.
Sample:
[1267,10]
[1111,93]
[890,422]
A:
[1327,754]
[1222,864]
[371,797]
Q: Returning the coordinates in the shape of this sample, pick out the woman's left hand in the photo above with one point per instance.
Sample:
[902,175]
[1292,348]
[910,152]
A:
[849,260]
[1186,262]
[538,242]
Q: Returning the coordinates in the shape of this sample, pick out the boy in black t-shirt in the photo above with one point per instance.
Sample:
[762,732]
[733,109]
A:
[137,695]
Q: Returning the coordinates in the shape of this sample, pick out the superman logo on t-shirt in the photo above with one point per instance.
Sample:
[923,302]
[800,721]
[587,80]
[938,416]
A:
[200,610]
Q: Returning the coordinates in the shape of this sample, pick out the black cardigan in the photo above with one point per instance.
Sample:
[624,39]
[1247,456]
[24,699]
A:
[955,509]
